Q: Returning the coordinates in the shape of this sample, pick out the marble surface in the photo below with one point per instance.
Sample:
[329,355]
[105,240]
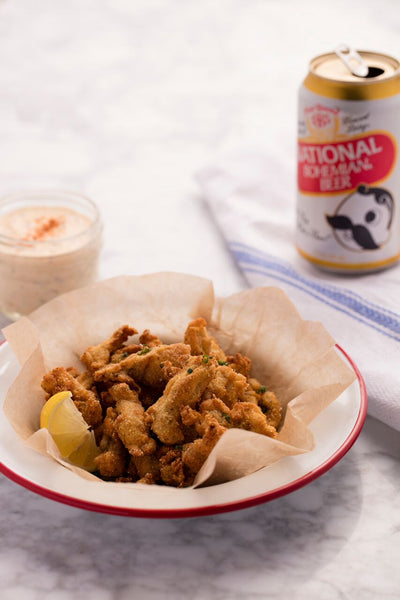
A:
[125,100]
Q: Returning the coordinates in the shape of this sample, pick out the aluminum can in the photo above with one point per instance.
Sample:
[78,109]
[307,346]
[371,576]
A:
[348,204]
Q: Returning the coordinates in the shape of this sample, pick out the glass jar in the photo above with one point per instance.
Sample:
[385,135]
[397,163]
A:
[49,244]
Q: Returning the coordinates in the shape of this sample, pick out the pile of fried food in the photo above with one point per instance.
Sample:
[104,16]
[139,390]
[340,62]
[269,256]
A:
[157,409]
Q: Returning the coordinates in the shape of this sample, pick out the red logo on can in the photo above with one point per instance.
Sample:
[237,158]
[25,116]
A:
[339,166]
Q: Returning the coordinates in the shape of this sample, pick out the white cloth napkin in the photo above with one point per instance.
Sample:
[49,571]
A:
[252,198]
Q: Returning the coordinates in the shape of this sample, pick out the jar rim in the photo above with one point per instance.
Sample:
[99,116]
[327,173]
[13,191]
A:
[50,194]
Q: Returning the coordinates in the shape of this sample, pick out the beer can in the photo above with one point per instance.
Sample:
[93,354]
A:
[348,204]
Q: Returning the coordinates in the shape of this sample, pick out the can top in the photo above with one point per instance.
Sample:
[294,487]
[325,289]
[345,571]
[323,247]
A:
[332,75]
[331,66]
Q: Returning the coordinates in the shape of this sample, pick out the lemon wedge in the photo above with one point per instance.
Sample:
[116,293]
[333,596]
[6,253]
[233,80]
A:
[69,430]
[50,405]
[85,454]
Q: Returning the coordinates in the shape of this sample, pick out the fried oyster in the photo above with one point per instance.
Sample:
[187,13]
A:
[159,409]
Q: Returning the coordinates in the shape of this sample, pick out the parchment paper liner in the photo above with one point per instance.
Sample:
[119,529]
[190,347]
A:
[294,358]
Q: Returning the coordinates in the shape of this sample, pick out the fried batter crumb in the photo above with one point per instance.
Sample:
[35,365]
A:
[158,410]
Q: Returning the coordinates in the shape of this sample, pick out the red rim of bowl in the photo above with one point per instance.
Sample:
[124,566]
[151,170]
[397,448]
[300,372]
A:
[210,509]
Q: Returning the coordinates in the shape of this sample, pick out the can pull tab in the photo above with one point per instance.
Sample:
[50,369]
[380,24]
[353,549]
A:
[353,61]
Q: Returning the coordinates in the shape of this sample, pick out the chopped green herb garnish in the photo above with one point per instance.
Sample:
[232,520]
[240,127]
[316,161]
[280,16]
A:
[205,359]
[261,390]
[178,447]
[161,365]
[227,417]
[223,363]
[145,350]
[124,355]
[190,370]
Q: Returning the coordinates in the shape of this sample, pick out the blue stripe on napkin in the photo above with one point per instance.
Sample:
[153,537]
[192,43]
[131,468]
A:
[377,317]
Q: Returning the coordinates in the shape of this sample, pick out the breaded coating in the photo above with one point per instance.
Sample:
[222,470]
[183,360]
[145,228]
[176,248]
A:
[170,370]
[240,363]
[227,385]
[250,395]
[186,388]
[217,409]
[106,399]
[189,416]
[158,410]
[191,423]
[98,432]
[201,342]
[147,466]
[86,401]
[266,400]
[118,377]
[111,461]
[195,454]
[148,479]
[73,371]
[86,379]
[171,468]
[249,416]
[98,356]
[146,366]
[130,423]
[271,407]
[124,351]
[109,425]
[149,340]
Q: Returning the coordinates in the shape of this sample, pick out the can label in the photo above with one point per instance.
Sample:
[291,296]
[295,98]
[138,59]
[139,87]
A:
[348,182]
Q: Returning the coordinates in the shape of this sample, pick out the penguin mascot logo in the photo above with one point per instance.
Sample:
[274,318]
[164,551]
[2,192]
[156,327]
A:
[363,219]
